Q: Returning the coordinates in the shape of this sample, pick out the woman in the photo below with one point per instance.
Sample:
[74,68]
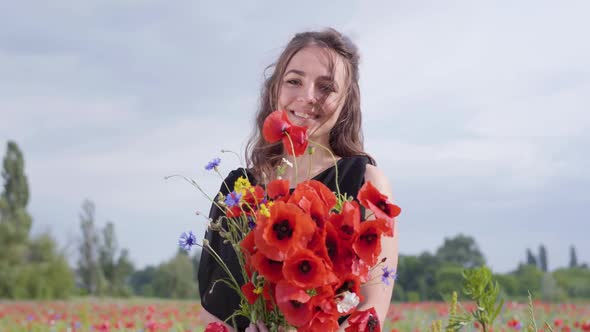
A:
[316,81]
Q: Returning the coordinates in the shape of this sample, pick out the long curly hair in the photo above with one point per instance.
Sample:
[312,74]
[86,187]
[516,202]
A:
[346,137]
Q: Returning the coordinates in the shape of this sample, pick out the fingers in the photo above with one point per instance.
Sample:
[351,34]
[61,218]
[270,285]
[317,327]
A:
[251,328]
[261,327]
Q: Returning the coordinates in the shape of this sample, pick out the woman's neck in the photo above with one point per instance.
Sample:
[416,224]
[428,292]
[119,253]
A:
[309,165]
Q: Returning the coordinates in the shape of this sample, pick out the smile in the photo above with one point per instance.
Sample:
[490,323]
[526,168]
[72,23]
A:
[304,115]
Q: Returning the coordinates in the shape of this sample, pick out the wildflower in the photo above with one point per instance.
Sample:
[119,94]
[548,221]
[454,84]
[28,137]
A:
[367,244]
[366,320]
[288,228]
[213,164]
[264,210]
[294,303]
[216,327]
[307,270]
[388,273]
[187,240]
[277,127]
[371,198]
[348,302]
[241,185]
[233,199]
[251,222]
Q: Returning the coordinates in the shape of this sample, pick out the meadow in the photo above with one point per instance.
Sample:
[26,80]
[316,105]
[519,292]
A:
[162,315]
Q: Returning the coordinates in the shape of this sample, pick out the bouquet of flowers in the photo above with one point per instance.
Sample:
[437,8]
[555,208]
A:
[304,253]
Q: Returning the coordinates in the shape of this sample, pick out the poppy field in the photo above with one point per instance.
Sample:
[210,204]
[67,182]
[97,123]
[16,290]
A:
[160,315]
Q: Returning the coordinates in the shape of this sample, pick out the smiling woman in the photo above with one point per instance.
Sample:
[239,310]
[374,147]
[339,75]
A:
[315,83]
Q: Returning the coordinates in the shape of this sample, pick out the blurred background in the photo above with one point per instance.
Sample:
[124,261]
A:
[476,111]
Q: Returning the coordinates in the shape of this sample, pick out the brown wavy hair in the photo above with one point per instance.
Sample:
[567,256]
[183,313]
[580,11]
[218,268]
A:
[346,138]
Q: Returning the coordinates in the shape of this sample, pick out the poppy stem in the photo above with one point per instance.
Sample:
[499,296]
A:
[191,181]
[294,157]
[335,163]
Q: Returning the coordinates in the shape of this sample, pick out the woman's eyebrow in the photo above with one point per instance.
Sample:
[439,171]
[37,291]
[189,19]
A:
[296,71]
[302,73]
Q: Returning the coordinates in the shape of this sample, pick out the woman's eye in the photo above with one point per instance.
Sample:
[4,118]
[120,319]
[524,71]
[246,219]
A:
[293,82]
[327,88]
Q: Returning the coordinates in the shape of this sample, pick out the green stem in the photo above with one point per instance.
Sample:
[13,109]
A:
[335,163]
[191,181]
[294,157]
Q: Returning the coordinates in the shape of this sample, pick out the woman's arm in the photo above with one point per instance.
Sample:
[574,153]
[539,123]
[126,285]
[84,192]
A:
[377,294]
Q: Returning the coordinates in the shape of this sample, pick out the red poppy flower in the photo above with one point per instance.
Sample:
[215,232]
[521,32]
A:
[248,291]
[374,200]
[367,244]
[298,136]
[347,222]
[248,250]
[323,192]
[361,321]
[270,269]
[286,230]
[325,312]
[216,327]
[306,270]
[351,283]
[278,190]
[252,198]
[247,245]
[275,126]
[294,303]
[309,201]
[234,212]
[325,244]
[361,269]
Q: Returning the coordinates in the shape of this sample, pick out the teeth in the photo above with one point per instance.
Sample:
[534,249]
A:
[302,115]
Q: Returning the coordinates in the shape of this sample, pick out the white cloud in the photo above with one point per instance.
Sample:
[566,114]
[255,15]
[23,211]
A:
[474,111]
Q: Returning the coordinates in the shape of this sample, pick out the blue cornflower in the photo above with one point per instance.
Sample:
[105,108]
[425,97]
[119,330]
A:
[251,223]
[187,240]
[232,198]
[388,273]
[213,164]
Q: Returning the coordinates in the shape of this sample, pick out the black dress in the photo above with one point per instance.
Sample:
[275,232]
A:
[220,300]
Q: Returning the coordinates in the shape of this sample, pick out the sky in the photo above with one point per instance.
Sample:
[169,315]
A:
[477,112]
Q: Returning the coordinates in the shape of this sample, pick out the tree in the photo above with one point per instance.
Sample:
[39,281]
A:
[116,267]
[141,281]
[530,258]
[15,221]
[461,250]
[89,272]
[29,268]
[529,279]
[573,257]
[174,279]
[543,258]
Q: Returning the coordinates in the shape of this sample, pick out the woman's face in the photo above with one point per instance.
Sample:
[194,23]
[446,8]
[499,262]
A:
[308,93]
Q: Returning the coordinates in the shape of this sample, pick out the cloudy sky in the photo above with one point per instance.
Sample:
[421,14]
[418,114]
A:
[479,114]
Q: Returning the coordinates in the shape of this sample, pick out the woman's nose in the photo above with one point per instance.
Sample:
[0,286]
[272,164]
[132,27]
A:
[309,94]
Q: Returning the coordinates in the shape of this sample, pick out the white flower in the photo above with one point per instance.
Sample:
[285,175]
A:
[287,162]
[349,301]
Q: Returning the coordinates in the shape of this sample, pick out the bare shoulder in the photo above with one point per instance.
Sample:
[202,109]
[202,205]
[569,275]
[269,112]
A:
[378,179]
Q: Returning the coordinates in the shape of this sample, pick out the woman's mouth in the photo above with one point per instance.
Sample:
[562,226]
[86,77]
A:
[304,116]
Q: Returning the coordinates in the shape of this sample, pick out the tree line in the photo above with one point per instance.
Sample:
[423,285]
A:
[36,268]
[434,276]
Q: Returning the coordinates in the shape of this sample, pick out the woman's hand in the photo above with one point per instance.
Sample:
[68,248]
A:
[260,327]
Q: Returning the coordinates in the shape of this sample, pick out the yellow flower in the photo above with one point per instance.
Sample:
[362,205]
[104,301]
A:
[241,185]
[264,210]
